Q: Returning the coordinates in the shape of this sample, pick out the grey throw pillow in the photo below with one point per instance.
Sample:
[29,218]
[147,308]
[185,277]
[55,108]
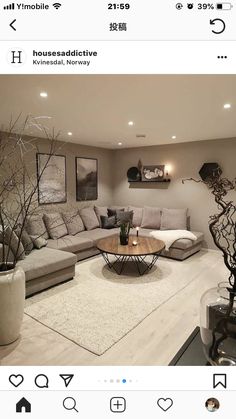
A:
[74,222]
[108,222]
[124,217]
[100,211]
[39,242]
[137,217]
[89,218]
[151,218]
[10,239]
[25,240]
[174,219]
[55,225]
[35,226]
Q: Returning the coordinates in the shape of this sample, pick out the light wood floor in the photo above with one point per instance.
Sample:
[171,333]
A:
[154,342]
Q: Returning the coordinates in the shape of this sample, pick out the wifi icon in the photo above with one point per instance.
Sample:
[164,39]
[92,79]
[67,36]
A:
[57,5]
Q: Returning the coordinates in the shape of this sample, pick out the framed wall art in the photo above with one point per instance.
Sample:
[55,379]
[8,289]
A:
[86,179]
[51,172]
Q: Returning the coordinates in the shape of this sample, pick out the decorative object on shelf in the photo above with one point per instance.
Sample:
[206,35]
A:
[218,305]
[86,179]
[153,173]
[133,174]
[124,233]
[52,179]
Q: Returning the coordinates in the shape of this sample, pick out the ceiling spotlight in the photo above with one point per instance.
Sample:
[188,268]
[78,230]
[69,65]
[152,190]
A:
[69,133]
[173,137]
[43,94]
[227,106]
[119,143]
[130,123]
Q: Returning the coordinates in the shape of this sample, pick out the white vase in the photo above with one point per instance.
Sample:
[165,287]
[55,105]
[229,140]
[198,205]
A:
[12,301]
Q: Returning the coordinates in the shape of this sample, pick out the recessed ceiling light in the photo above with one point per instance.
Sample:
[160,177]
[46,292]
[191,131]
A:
[119,143]
[130,123]
[69,133]
[173,137]
[43,94]
[227,106]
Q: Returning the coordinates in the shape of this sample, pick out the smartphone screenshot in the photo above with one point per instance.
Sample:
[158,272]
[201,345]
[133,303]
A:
[117,209]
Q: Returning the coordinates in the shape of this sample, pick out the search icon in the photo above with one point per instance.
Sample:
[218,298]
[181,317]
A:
[69,403]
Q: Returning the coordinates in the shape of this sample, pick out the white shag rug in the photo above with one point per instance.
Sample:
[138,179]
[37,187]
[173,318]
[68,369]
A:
[99,307]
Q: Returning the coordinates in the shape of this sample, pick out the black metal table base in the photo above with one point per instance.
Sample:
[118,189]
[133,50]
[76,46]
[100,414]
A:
[118,265]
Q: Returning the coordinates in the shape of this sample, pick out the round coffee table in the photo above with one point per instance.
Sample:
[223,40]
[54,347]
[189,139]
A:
[147,246]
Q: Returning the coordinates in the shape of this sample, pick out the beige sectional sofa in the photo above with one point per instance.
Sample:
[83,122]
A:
[55,262]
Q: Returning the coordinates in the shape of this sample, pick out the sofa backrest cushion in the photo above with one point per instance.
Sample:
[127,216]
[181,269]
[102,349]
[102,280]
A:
[55,225]
[89,218]
[35,226]
[74,222]
[138,215]
[151,218]
[10,239]
[174,219]
[100,211]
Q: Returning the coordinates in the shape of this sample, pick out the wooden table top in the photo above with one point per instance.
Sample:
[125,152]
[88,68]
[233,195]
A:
[145,246]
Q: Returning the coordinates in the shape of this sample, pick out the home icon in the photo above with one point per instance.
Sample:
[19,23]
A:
[23,406]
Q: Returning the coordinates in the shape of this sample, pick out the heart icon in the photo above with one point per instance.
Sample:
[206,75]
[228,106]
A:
[165,404]
[16,380]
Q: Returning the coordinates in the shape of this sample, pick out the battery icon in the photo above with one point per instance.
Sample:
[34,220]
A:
[224,6]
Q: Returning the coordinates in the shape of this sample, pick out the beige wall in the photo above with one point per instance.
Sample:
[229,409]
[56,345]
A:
[186,160]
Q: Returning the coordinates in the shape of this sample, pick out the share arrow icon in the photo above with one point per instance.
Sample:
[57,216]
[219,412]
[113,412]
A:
[66,378]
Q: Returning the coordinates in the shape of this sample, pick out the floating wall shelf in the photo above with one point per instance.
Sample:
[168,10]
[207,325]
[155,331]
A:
[150,181]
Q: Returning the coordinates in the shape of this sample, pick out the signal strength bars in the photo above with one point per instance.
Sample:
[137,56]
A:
[9,6]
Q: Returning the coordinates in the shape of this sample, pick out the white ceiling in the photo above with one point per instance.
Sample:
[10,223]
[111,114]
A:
[97,108]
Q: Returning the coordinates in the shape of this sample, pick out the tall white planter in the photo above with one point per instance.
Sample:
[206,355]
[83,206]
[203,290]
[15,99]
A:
[12,299]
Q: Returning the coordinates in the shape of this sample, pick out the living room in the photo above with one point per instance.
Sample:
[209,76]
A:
[109,125]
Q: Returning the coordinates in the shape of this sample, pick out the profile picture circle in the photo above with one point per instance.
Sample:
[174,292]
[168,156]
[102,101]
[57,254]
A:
[212,404]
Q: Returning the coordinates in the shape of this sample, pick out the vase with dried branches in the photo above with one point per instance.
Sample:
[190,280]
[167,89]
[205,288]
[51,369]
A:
[218,305]
[18,200]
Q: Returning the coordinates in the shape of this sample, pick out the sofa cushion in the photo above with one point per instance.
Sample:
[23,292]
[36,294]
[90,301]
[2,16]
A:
[100,211]
[10,239]
[151,218]
[124,217]
[73,244]
[38,242]
[184,244]
[108,222]
[98,234]
[45,261]
[113,211]
[35,226]
[89,218]
[138,215]
[55,225]
[73,222]
[174,219]
[25,240]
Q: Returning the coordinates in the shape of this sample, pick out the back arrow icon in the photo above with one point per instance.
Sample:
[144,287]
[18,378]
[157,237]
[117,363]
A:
[12,23]
[213,22]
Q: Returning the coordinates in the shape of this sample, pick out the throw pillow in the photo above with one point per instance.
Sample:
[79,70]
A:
[10,239]
[174,219]
[151,218]
[25,240]
[113,211]
[55,225]
[73,222]
[108,222]
[35,226]
[89,218]
[137,217]
[124,217]
[100,211]
[39,242]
